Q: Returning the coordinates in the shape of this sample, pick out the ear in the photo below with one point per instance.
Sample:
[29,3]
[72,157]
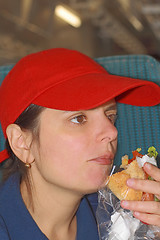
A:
[20,142]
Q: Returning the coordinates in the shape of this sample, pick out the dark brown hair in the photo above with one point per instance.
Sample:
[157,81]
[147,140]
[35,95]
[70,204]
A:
[28,120]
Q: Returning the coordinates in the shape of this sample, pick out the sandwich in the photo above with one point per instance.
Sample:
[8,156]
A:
[132,168]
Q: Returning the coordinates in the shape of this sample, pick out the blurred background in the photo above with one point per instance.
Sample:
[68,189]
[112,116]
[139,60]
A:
[98,27]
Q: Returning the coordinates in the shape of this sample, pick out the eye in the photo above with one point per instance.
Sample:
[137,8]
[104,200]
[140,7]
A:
[80,119]
[112,117]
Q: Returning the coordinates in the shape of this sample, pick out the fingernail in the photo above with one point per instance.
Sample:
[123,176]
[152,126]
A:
[124,204]
[136,214]
[130,182]
[148,166]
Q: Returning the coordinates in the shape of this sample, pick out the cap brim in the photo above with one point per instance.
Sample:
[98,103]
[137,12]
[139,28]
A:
[91,90]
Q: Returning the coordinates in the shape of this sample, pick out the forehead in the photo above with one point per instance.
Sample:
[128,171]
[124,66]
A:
[110,105]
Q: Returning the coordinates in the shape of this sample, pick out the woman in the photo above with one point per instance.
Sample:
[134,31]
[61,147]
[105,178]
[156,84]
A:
[58,112]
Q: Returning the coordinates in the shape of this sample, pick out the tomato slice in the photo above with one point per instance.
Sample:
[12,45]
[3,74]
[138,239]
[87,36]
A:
[147,197]
[135,154]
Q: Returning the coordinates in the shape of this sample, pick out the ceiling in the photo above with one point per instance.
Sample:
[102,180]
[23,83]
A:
[116,27]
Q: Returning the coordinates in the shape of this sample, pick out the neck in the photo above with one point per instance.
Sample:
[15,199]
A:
[53,209]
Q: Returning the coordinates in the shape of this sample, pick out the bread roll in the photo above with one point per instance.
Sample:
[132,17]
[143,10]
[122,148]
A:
[117,182]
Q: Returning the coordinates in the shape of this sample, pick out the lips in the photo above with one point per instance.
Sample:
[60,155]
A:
[103,160]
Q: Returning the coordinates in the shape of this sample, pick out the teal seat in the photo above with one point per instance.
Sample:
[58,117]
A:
[3,72]
[137,126]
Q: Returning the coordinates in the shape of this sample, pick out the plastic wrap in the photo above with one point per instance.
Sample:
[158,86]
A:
[116,223]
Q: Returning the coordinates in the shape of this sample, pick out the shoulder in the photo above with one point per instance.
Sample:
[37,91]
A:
[15,220]
[3,230]
[12,183]
[9,199]
[7,189]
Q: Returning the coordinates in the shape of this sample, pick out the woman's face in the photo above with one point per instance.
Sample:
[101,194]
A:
[76,149]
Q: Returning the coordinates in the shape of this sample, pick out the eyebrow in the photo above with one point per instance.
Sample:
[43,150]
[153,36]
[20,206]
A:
[111,107]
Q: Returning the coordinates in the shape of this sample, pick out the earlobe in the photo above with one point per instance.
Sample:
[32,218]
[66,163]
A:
[20,142]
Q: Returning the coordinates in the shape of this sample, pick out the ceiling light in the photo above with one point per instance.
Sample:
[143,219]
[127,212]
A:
[26,6]
[68,15]
[136,23]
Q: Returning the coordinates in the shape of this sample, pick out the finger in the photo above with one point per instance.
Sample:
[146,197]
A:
[142,206]
[152,171]
[148,186]
[151,219]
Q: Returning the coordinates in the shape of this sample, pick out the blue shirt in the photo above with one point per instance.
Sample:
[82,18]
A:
[16,223]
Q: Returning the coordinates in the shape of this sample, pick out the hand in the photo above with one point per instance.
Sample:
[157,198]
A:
[146,211]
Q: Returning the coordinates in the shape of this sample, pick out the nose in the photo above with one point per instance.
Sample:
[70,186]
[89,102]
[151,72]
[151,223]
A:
[106,131]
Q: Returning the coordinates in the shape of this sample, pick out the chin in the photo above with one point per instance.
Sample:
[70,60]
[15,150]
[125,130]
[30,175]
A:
[98,180]
[96,185]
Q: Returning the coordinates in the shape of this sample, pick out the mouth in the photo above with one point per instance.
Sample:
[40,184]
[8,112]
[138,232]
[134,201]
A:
[103,160]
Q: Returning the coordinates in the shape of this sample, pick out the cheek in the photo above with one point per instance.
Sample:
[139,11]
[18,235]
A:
[66,146]
[64,162]
[64,154]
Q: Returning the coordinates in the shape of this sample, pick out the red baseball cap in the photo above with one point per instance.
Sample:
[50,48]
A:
[67,80]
